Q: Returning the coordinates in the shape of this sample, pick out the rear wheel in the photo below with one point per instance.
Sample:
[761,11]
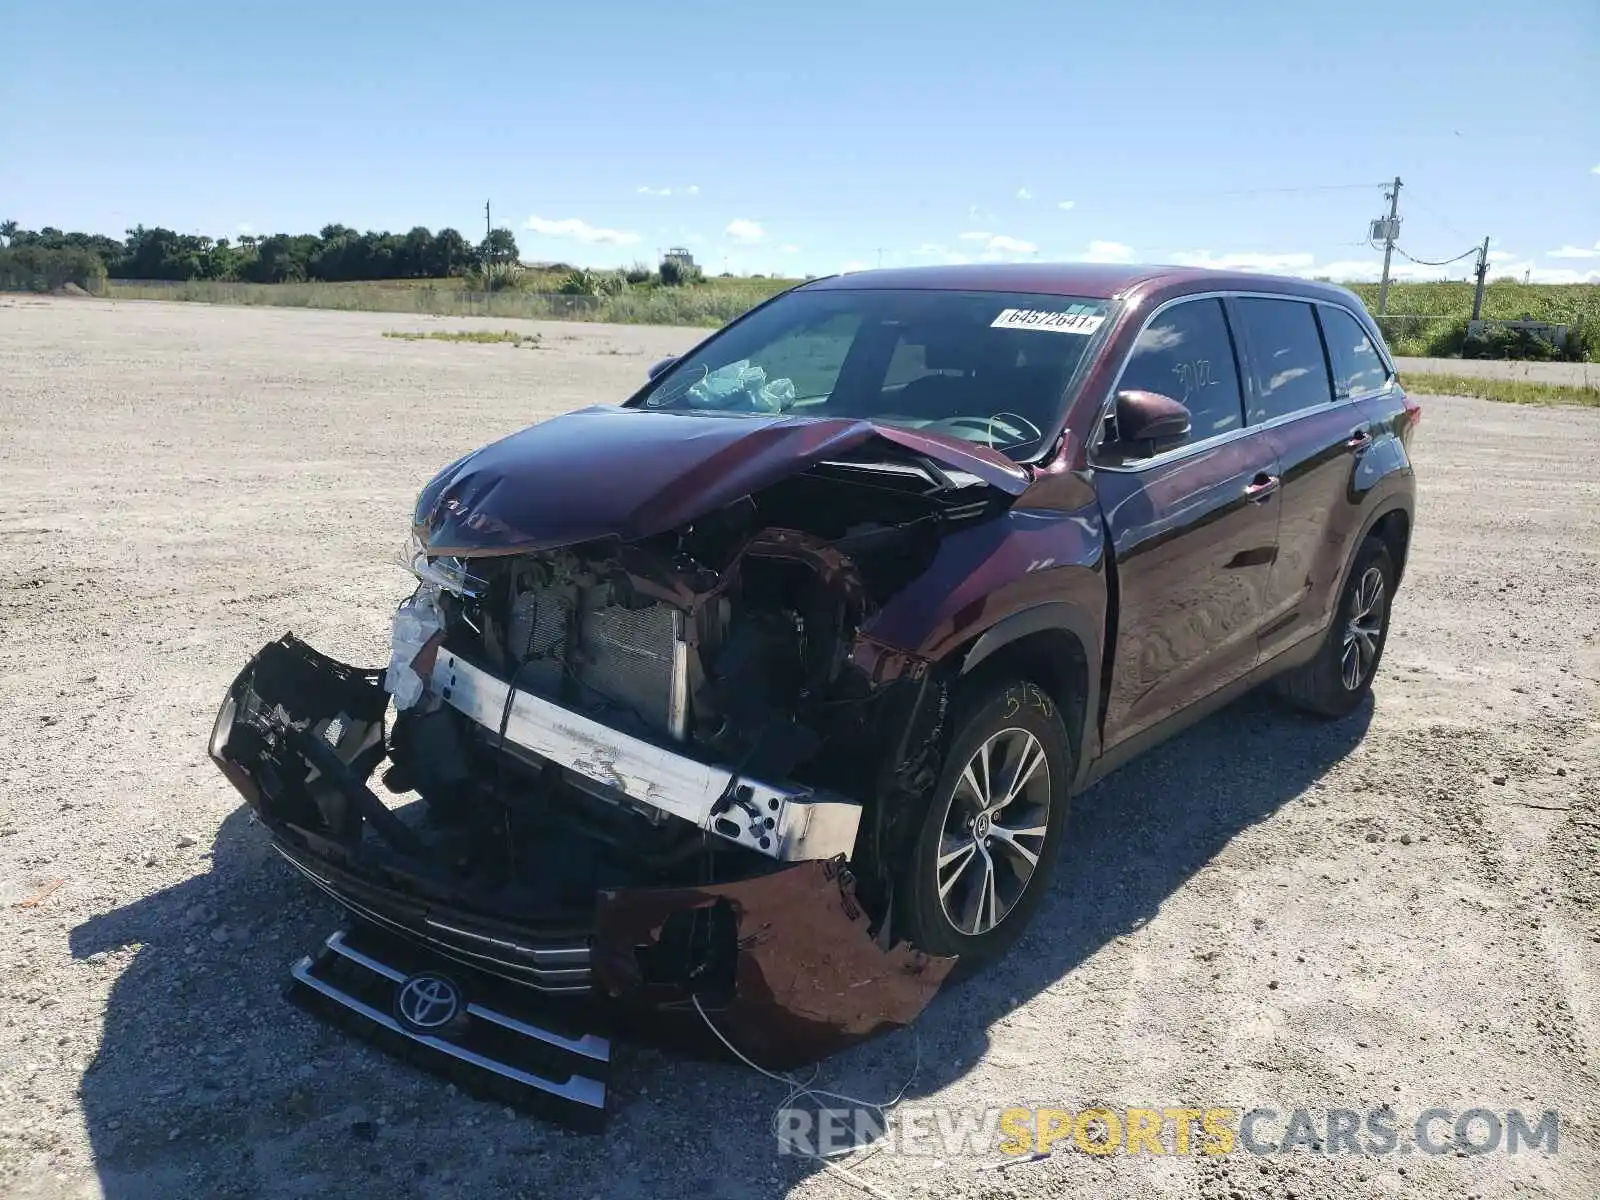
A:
[1340,676]
[987,847]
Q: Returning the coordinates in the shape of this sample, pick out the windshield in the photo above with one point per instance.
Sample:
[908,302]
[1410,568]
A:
[990,367]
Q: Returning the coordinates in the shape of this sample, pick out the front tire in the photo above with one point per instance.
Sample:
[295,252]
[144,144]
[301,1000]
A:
[1339,678]
[985,853]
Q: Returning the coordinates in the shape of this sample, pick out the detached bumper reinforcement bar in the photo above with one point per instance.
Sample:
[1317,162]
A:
[782,821]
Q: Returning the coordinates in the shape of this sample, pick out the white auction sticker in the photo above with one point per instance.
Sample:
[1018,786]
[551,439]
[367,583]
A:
[1050,322]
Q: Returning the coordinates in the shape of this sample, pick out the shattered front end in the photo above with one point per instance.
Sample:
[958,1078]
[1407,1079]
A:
[634,782]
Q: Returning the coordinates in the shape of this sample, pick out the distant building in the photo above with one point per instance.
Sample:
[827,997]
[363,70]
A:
[677,254]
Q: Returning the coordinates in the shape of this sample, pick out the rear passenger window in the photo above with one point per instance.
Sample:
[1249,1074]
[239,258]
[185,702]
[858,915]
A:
[1288,366]
[1187,353]
[1358,368]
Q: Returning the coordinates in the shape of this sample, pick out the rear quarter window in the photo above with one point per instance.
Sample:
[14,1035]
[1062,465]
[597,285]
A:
[1358,368]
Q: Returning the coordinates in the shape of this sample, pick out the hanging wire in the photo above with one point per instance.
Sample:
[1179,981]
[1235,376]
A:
[1433,212]
[1422,262]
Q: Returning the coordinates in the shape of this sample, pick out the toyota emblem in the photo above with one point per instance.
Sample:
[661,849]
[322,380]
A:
[428,1002]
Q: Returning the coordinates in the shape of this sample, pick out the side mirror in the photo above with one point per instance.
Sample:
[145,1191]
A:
[657,368]
[1150,417]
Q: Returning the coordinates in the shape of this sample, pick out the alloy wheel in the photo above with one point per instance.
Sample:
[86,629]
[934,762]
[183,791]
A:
[1363,631]
[994,831]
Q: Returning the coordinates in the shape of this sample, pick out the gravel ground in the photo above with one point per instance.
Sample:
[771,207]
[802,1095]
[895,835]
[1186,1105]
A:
[1570,373]
[1400,908]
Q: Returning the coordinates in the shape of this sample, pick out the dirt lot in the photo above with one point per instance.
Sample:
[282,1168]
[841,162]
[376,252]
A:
[1397,909]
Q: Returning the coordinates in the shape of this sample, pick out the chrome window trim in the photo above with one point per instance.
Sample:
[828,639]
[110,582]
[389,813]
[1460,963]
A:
[1185,451]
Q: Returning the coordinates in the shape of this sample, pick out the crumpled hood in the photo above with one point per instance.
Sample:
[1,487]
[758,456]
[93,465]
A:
[631,473]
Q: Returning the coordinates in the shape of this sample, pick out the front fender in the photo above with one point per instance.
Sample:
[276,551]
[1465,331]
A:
[982,575]
[1026,572]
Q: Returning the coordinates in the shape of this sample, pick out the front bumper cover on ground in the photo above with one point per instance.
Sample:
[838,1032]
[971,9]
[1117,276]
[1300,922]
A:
[784,963]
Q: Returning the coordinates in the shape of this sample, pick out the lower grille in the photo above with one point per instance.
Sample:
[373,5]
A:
[481,1035]
[554,966]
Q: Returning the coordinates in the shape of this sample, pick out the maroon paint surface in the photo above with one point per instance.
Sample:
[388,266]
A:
[630,473]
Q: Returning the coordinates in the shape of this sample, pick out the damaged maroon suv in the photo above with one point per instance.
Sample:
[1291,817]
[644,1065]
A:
[759,699]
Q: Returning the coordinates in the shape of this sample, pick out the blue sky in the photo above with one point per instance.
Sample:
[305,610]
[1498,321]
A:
[819,136]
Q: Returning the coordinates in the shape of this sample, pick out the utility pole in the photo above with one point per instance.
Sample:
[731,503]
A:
[880,255]
[487,227]
[1483,277]
[1388,244]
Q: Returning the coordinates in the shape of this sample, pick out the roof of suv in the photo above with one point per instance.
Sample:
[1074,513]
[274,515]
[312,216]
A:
[1094,280]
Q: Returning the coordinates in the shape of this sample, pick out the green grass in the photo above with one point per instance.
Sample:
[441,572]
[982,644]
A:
[482,337]
[712,303]
[1511,391]
[1425,318]
[1430,319]
[1503,300]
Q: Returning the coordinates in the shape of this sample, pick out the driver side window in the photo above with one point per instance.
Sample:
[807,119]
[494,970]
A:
[1187,353]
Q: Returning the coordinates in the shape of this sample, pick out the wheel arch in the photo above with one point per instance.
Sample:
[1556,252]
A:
[1393,526]
[1056,646]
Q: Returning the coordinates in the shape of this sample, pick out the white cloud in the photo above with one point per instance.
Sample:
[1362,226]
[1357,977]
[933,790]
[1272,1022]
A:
[744,230]
[580,231]
[1537,274]
[646,190]
[1595,170]
[788,248]
[1106,252]
[1024,194]
[1067,205]
[994,244]
[957,260]
[854,264]
[692,190]
[1280,264]
[1573,252]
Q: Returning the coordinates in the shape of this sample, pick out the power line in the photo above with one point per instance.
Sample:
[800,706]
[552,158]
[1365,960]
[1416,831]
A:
[1423,262]
[1435,214]
[1269,191]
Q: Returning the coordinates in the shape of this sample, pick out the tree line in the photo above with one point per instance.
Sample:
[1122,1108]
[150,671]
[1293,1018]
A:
[336,253]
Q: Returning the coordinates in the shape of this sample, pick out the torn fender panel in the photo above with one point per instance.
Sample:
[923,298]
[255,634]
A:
[631,473]
[987,572]
[784,964]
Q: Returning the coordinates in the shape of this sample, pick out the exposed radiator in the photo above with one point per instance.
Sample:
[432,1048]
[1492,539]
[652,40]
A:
[634,659]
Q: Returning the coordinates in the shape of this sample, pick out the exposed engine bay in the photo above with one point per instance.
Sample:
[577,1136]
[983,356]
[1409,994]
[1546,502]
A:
[728,641]
[685,709]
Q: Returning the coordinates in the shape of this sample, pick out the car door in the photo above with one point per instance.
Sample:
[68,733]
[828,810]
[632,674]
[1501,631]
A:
[1300,385]
[1193,527]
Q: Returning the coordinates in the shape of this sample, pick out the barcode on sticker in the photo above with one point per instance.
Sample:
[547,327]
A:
[1050,322]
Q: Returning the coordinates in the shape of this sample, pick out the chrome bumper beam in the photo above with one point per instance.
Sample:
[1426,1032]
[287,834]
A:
[783,821]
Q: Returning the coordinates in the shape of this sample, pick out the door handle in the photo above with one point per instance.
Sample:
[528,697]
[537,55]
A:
[1262,486]
[1359,440]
